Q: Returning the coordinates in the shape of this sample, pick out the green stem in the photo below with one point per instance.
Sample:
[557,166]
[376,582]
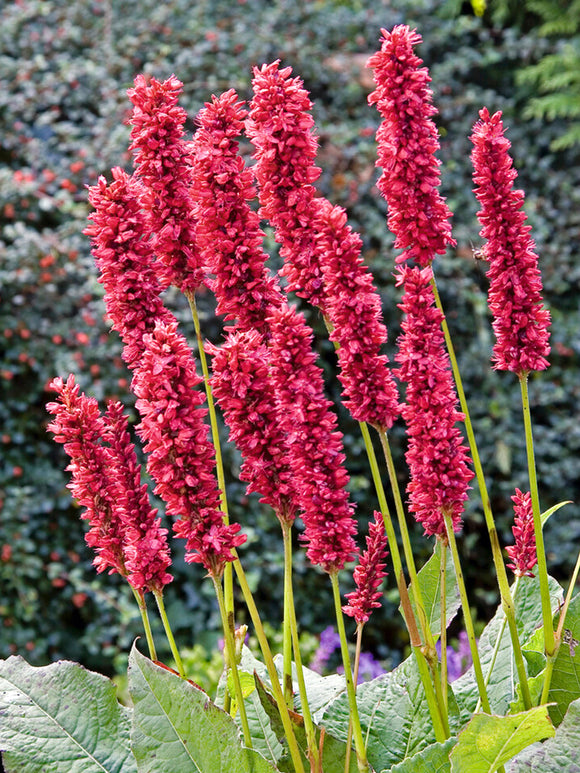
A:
[168,632]
[549,640]
[443,598]
[287,624]
[140,599]
[361,752]
[359,630]
[467,615]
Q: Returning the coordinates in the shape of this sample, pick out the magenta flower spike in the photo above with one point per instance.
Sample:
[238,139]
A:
[125,262]
[407,143]
[520,321]
[523,553]
[282,131]
[163,164]
[369,574]
[228,230]
[314,443]
[437,457]
[180,457]
[242,387]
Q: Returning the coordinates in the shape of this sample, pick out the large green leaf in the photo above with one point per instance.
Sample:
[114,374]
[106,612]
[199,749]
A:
[59,718]
[177,729]
[490,741]
[433,759]
[560,754]
[565,684]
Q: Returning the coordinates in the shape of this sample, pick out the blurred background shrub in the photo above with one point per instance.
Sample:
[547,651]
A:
[64,71]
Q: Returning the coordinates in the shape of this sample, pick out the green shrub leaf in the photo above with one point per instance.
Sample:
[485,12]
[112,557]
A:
[560,754]
[565,684]
[433,759]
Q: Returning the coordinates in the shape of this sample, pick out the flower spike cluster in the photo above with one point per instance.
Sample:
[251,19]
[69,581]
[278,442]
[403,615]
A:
[520,321]
[314,443]
[163,162]
[180,456]
[523,553]
[437,457]
[369,574]
[407,142]
[228,230]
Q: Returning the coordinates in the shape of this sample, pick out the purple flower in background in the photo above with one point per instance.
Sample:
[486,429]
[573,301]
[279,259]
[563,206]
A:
[329,643]
[458,660]
[368,668]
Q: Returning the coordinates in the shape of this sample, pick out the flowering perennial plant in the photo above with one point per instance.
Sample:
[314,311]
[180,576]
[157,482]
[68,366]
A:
[187,216]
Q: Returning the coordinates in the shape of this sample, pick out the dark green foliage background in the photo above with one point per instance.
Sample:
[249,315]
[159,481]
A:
[64,70]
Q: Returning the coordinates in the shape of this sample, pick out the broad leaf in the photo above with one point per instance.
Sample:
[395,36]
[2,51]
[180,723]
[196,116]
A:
[545,515]
[176,727]
[565,684]
[433,759]
[560,754]
[490,741]
[61,717]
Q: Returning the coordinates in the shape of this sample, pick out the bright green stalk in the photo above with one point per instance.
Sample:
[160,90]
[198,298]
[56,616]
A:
[443,603]
[168,632]
[359,744]
[140,599]
[467,615]
[501,574]
[288,607]
[359,630]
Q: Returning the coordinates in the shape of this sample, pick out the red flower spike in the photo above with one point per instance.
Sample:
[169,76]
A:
[520,321]
[369,574]
[437,458]
[125,261]
[523,553]
[180,457]
[315,445]
[163,162]
[228,230]
[282,131]
[407,142]
[353,308]
[242,387]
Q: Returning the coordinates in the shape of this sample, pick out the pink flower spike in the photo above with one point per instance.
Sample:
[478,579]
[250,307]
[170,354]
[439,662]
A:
[180,457]
[314,443]
[228,230]
[523,553]
[520,321]
[437,457]
[163,162]
[407,142]
[369,574]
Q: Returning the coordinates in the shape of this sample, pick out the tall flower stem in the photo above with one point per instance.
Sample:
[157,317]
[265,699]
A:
[359,630]
[443,597]
[361,753]
[287,624]
[467,615]
[169,633]
[140,599]
[431,686]
[507,601]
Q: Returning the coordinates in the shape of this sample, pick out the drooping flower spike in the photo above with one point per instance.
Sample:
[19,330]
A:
[369,574]
[523,553]
[180,457]
[407,142]
[228,230]
[163,164]
[520,321]
[437,457]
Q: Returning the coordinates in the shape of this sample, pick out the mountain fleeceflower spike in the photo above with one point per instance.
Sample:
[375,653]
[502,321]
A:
[520,321]
[228,230]
[163,164]
[407,141]
[125,262]
[315,444]
[180,457]
[437,458]
[523,552]
[369,574]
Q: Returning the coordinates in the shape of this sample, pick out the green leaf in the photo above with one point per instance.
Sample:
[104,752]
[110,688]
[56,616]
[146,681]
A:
[61,717]
[490,741]
[433,759]
[565,684]
[560,754]
[545,515]
[177,728]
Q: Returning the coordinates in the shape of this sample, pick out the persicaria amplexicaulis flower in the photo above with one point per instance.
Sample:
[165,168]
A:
[314,443]
[407,142]
[228,230]
[181,459]
[520,321]
[523,553]
[163,162]
[124,530]
[369,574]
[437,457]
